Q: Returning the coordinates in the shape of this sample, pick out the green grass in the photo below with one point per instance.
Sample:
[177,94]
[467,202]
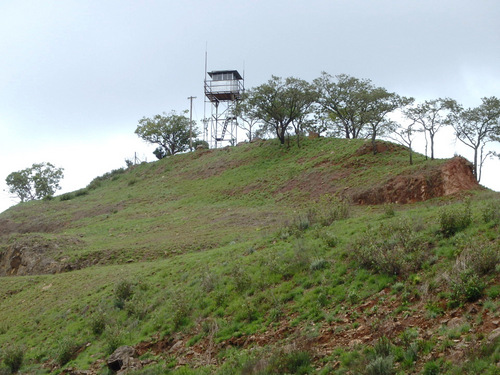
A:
[248,251]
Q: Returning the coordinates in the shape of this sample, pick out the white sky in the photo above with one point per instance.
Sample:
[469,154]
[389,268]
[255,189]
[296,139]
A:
[76,76]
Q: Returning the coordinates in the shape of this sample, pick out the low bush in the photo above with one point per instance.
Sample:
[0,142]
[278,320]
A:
[479,255]
[98,323]
[13,358]
[455,219]
[380,366]
[113,175]
[318,264]
[333,209]
[181,310]
[123,292]
[491,214]
[383,347]
[113,339]
[466,286]
[66,197]
[393,248]
[389,211]
[431,368]
[330,239]
[66,350]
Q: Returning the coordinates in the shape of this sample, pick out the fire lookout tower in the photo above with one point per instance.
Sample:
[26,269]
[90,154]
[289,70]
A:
[222,91]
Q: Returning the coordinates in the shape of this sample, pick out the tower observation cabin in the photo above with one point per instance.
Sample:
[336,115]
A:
[222,92]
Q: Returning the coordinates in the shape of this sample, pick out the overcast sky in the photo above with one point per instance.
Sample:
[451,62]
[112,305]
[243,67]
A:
[77,75]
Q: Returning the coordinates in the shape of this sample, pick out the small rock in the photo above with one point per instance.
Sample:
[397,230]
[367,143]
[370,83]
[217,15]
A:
[455,322]
[494,334]
[473,310]
[176,346]
[355,342]
[121,357]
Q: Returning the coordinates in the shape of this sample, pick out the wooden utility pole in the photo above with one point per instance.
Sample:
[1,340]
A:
[191,122]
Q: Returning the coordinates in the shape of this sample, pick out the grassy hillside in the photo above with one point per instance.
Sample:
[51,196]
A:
[252,260]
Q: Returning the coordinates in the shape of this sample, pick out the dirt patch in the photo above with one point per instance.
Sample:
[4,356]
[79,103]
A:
[34,224]
[447,179]
[381,147]
[99,210]
[317,183]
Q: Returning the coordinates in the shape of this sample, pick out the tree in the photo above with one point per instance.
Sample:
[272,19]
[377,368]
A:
[475,127]
[248,115]
[37,182]
[356,107]
[280,104]
[378,103]
[406,135]
[430,116]
[169,131]
[340,101]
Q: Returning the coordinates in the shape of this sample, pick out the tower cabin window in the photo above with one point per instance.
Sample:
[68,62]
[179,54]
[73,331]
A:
[223,76]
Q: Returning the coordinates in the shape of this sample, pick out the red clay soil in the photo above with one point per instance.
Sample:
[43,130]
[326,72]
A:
[446,179]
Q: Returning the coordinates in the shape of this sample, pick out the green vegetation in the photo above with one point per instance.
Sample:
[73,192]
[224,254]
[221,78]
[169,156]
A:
[36,182]
[253,260]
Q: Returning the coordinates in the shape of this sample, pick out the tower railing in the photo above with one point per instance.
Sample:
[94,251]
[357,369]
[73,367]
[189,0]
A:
[217,91]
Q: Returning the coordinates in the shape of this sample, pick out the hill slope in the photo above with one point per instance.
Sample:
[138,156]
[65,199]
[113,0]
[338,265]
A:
[207,199]
[258,258]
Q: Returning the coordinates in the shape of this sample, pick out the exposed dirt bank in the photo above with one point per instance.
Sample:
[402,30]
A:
[446,179]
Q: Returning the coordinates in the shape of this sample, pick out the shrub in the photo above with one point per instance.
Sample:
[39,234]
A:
[209,281]
[467,286]
[65,351]
[98,323]
[393,248]
[411,354]
[333,209]
[294,362]
[66,197]
[181,310]
[491,214]
[330,239]
[389,211]
[113,339]
[242,280]
[382,347]
[318,264]
[123,292]
[455,219]
[380,366]
[13,358]
[302,223]
[431,368]
[480,256]
[113,175]
[69,196]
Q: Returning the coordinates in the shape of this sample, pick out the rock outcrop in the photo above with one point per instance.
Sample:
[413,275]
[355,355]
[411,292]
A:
[446,179]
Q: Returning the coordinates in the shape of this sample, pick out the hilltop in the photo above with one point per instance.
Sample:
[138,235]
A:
[255,258]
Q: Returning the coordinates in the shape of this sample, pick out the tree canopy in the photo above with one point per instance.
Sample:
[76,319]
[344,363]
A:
[39,181]
[280,104]
[355,107]
[171,132]
[250,120]
[431,116]
[475,127]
